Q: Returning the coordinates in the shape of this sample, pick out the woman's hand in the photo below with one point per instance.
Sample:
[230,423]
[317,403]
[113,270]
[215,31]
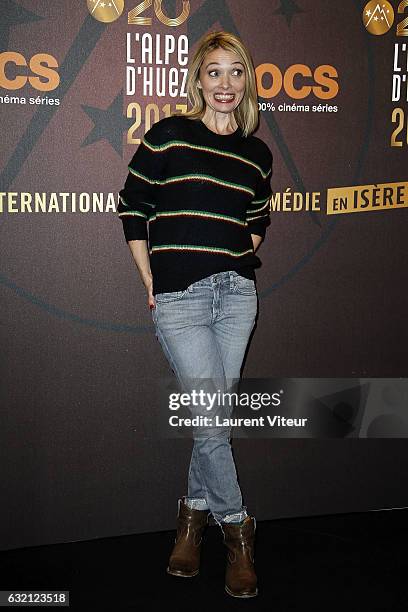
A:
[140,255]
[256,241]
[151,302]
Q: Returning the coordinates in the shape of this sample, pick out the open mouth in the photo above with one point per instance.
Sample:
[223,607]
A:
[224,97]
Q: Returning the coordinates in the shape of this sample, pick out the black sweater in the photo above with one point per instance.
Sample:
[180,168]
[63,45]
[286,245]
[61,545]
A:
[201,195]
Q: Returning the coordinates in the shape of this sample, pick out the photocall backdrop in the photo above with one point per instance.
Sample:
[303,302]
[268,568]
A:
[80,84]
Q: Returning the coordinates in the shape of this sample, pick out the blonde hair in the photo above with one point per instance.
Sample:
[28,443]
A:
[247,113]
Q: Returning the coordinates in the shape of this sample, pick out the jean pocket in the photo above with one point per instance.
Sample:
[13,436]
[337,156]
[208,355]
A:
[169,296]
[244,286]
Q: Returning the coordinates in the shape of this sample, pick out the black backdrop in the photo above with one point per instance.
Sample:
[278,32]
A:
[79,356]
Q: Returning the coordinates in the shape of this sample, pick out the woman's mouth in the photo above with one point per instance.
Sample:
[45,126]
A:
[225,98]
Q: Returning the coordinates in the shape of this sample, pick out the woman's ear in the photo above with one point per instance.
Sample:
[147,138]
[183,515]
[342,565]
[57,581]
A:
[199,84]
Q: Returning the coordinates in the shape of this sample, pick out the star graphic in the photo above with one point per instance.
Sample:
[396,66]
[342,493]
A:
[12,14]
[109,124]
[288,8]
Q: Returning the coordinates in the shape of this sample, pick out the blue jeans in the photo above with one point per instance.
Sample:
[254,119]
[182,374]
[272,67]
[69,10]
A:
[204,331]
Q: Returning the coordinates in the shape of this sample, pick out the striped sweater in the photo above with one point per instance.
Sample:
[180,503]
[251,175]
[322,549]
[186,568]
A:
[196,197]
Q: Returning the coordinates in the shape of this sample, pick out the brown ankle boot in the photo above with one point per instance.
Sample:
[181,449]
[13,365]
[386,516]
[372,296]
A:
[240,577]
[185,557]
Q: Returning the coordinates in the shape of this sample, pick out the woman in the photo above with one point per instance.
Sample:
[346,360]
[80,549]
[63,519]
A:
[202,183]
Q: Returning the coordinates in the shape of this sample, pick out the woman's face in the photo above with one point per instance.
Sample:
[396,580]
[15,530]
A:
[222,80]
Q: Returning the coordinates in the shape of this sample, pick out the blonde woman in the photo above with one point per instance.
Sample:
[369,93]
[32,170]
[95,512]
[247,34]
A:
[201,183]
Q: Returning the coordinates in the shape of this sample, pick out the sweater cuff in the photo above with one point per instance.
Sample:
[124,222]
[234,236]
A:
[134,228]
[258,228]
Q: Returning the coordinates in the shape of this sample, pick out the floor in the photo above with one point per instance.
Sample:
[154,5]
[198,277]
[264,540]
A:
[349,562]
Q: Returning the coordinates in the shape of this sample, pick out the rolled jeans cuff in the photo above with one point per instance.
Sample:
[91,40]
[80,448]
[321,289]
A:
[237,517]
[196,503]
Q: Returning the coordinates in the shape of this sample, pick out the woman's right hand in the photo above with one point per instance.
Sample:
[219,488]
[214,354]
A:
[151,302]
[140,255]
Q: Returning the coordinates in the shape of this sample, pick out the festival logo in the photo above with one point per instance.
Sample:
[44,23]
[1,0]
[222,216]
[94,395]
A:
[106,10]
[378,17]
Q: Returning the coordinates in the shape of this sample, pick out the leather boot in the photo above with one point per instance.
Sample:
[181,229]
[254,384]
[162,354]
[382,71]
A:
[240,577]
[185,557]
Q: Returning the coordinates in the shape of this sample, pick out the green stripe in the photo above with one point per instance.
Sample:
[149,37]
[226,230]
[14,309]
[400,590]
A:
[257,217]
[183,143]
[197,213]
[123,202]
[259,201]
[140,201]
[132,213]
[142,176]
[258,209]
[193,247]
[186,177]
[206,177]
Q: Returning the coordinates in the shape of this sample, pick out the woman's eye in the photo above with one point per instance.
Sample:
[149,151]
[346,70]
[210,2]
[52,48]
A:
[236,71]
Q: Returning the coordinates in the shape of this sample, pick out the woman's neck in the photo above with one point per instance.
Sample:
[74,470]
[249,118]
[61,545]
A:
[220,123]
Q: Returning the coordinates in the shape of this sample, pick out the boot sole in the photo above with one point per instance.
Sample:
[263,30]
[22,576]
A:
[243,595]
[181,574]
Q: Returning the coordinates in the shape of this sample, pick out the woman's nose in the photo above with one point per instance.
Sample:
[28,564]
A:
[225,82]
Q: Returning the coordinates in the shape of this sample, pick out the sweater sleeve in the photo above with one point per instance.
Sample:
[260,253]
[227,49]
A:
[137,199]
[258,211]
